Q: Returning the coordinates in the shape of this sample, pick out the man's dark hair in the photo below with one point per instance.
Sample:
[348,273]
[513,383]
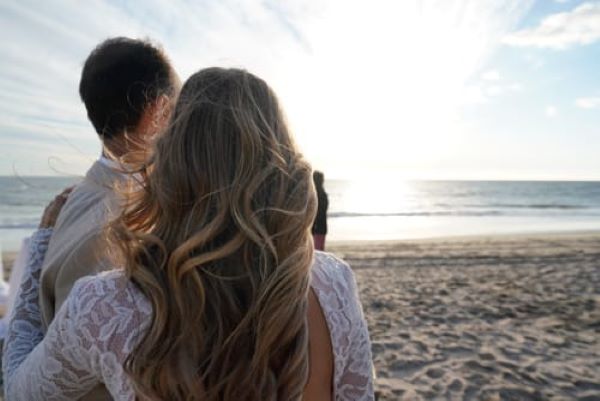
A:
[120,78]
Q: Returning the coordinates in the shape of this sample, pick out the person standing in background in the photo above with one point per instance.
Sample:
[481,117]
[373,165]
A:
[319,228]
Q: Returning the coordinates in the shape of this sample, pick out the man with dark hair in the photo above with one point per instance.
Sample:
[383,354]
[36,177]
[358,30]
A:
[120,79]
[127,87]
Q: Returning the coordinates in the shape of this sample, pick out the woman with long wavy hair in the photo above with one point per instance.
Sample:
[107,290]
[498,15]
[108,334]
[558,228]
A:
[217,294]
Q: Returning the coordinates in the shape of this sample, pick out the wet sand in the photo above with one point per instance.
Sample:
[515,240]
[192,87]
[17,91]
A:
[498,318]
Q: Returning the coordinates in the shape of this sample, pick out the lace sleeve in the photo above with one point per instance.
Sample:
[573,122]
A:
[356,381]
[85,345]
[25,328]
[335,286]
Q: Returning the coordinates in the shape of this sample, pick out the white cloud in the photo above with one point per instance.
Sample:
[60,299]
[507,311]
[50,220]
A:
[580,26]
[515,87]
[491,75]
[494,90]
[551,111]
[588,102]
[534,61]
[491,85]
[389,65]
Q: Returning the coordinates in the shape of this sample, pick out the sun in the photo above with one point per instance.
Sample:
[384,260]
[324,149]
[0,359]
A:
[387,94]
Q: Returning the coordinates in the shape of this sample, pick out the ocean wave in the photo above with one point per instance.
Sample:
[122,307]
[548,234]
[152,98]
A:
[544,206]
[17,203]
[496,210]
[415,214]
[18,226]
[539,206]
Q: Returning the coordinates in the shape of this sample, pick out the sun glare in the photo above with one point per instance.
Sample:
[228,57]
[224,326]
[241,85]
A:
[387,93]
[376,197]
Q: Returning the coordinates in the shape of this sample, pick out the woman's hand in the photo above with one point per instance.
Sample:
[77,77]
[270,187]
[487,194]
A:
[53,209]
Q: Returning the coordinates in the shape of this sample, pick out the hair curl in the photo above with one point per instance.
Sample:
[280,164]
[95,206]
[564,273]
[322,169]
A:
[218,239]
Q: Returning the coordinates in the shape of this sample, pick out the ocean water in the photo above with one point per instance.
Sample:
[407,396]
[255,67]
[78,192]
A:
[382,210]
[428,209]
[22,201]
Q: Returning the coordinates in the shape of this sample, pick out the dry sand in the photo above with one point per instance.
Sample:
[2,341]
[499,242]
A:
[499,318]
[503,318]
[7,259]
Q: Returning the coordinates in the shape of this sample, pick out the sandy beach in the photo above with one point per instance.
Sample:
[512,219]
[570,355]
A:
[8,257]
[481,318]
[498,318]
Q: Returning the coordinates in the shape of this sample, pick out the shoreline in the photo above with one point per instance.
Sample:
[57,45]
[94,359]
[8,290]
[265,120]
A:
[468,237]
[8,256]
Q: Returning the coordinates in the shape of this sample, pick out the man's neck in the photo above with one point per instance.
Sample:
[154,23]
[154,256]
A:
[116,147]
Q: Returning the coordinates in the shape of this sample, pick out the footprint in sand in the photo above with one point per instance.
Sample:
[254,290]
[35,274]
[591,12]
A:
[435,373]
[458,352]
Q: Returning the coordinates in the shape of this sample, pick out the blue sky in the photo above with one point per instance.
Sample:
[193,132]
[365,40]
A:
[450,89]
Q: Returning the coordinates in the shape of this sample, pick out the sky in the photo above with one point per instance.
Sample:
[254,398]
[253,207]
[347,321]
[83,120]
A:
[448,89]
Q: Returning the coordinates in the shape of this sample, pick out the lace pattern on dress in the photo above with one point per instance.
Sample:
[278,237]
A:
[105,315]
[335,286]
[86,343]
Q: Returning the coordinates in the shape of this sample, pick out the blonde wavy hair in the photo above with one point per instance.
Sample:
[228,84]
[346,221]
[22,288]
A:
[218,239]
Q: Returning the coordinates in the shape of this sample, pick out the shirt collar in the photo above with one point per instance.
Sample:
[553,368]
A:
[111,164]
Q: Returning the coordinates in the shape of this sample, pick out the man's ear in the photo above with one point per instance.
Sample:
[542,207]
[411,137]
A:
[161,111]
[155,117]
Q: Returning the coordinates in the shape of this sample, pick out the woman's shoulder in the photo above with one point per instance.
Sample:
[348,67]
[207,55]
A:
[333,281]
[103,283]
[328,269]
[108,294]
[103,319]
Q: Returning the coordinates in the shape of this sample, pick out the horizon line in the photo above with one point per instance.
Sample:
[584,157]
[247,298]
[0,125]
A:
[405,179]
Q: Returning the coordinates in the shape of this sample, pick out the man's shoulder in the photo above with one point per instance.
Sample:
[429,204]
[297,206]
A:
[88,208]
[82,198]
[82,218]
[78,233]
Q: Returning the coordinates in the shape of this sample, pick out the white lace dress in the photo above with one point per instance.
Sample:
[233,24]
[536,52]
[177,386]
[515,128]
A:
[98,325]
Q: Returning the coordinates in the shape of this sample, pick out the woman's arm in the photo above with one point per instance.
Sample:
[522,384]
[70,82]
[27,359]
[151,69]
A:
[334,284]
[25,326]
[86,343]
[34,367]
[25,319]
[356,381]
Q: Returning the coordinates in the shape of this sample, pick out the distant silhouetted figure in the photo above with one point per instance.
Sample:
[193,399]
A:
[319,228]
